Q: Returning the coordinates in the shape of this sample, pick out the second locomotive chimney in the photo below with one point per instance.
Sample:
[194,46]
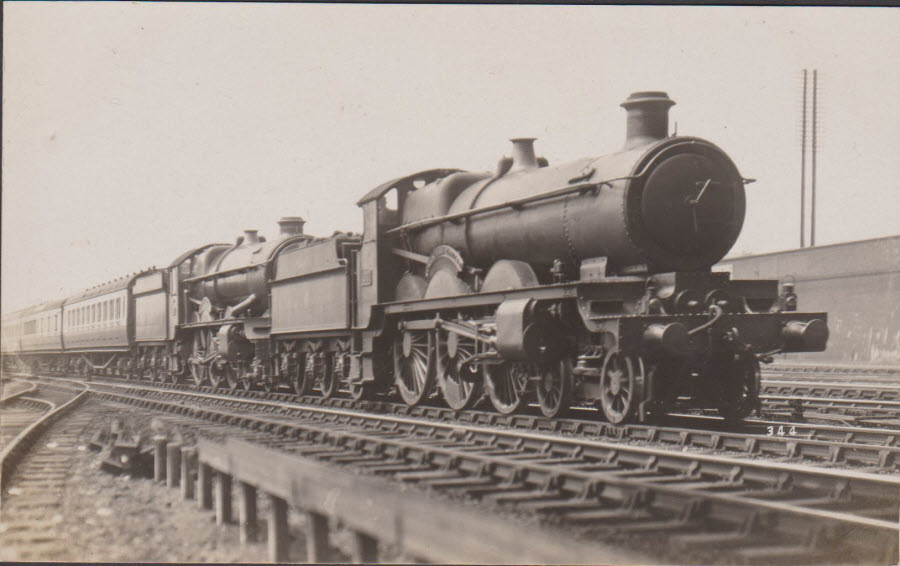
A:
[648,117]
[523,154]
[251,236]
[291,225]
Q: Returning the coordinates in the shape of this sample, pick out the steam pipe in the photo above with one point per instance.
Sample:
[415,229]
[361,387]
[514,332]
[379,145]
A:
[236,309]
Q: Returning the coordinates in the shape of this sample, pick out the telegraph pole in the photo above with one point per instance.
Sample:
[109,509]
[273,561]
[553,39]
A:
[803,168]
[812,218]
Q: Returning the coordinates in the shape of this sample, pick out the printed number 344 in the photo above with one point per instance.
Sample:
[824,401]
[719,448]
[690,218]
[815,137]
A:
[780,431]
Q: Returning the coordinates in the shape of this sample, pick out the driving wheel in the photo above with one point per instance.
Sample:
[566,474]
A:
[507,384]
[460,381]
[414,365]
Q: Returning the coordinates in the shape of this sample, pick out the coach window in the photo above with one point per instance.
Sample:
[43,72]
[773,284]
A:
[105,311]
[118,308]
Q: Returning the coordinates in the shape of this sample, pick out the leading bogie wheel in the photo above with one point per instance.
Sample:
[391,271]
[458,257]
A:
[506,385]
[554,389]
[621,387]
[460,381]
[740,393]
[414,370]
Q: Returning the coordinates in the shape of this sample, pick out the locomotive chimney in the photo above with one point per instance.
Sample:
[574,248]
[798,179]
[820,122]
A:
[291,225]
[251,236]
[648,117]
[523,154]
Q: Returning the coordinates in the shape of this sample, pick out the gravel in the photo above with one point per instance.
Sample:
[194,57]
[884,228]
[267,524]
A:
[119,518]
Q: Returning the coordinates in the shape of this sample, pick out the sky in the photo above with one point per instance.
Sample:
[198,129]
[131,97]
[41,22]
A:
[135,131]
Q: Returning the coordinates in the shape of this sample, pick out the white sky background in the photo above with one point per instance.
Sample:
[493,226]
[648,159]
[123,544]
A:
[133,132]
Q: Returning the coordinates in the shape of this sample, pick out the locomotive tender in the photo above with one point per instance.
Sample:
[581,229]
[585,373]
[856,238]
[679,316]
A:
[584,283]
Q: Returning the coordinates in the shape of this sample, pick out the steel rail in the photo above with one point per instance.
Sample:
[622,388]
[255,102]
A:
[832,369]
[845,390]
[859,446]
[867,407]
[544,437]
[588,474]
[18,446]
[32,387]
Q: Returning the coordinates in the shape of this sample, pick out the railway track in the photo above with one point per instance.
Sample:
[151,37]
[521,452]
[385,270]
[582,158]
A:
[841,372]
[33,472]
[26,416]
[799,405]
[11,389]
[855,390]
[562,471]
[876,449]
[766,511]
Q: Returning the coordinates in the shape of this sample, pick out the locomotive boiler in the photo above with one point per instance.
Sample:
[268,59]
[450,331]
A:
[661,204]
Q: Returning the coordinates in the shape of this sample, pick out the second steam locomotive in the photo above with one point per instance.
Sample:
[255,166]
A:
[584,283]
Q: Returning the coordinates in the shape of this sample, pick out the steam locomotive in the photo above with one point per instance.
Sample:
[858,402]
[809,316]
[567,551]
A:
[584,283]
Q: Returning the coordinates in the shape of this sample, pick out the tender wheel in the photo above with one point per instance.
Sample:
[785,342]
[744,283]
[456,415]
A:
[621,387]
[328,381]
[342,364]
[554,390]
[740,394]
[460,382]
[361,391]
[231,377]
[299,381]
[414,365]
[506,384]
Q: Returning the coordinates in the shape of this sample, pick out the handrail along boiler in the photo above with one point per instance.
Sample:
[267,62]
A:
[584,283]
